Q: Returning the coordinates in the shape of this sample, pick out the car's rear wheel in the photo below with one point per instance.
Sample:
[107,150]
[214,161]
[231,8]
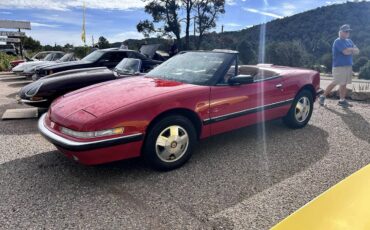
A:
[170,142]
[301,110]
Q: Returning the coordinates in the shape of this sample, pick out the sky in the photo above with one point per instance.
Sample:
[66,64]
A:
[60,21]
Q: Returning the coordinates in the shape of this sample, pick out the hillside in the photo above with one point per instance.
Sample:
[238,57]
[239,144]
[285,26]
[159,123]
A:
[312,31]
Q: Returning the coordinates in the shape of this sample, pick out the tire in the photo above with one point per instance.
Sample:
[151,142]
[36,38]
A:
[296,120]
[163,149]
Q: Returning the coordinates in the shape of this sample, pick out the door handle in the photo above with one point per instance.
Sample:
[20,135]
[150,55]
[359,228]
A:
[279,85]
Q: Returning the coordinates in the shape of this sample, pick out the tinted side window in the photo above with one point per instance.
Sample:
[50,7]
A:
[58,56]
[136,55]
[117,57]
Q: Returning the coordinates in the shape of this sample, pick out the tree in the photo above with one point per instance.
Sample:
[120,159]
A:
[68,46]
[164,13]
[103,43]
[246,52]
[365,71]
[207,12]
[327,61]
[188,4]
[359,63]
[31,44]
[287,54]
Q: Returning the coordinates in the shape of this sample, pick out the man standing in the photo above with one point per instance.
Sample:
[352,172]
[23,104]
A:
[343,51]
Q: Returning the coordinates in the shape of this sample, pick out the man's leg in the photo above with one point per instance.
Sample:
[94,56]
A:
[330,88]
[342,92]
[327,92]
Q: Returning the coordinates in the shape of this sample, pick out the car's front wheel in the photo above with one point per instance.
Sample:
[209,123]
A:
[170,142]
[301,110]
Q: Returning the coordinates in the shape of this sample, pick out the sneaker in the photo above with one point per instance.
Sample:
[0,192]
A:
[344,104]
[322,100]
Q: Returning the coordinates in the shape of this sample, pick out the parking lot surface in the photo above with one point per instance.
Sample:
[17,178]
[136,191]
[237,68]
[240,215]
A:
[246,179]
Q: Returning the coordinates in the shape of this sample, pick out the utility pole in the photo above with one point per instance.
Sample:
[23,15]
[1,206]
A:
[222,28]
[194,27]
[20,45]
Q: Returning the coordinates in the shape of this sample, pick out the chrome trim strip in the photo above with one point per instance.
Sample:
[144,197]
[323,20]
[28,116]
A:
[32,102]
[75,145]
[246,111]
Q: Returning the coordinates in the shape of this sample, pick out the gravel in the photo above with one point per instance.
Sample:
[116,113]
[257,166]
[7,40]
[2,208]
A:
[233,181]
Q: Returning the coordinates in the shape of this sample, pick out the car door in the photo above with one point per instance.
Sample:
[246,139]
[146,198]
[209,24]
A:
[235,106]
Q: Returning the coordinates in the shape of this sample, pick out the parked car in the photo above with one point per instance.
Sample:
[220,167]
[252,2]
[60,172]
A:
[52,56]
[162,115]
[42,92]
[38,56]
[9,49]
[30,69]
[100,58]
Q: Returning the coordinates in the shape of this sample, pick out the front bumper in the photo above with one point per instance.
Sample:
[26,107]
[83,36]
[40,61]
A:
[95,152]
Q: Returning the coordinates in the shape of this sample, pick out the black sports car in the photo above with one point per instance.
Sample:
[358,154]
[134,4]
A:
[42,92]
[100,58]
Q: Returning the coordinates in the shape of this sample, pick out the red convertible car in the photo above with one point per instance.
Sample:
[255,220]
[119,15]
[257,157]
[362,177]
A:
[163,114]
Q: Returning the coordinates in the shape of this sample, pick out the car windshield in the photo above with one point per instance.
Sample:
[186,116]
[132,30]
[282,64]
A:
[48,57]
[94,56]
[40,56]
[128,66]
[66,57]
[191,67]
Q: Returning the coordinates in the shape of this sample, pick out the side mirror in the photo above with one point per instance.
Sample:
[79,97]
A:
[241,79]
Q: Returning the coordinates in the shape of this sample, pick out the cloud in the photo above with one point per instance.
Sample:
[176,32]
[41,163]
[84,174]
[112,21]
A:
[5,12]
[50,36]
[65,5]
[124,36]
[230,2]
[252,10]
[232,24]
[36,24]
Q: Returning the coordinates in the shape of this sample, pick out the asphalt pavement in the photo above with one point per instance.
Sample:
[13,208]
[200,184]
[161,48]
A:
[245,179]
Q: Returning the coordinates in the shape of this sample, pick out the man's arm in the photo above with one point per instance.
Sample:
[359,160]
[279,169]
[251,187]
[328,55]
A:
[351,51]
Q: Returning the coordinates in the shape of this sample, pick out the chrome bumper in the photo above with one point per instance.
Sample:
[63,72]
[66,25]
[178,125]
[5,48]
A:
[24,101]
[82,146]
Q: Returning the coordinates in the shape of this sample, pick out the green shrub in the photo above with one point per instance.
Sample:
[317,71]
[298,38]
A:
[5,60]
[360,63]
[365,71]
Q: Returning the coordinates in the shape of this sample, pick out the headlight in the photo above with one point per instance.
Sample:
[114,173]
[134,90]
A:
[34,89]
[101,133]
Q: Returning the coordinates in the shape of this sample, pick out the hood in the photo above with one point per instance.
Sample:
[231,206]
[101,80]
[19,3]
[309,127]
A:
[73,72]
[50,86]
[100,99]
[29,66]
[68,65]
[22,66]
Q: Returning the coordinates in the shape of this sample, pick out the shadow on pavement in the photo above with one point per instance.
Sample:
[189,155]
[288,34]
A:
[224,170]
[16,126]
[358,125]
[19,84]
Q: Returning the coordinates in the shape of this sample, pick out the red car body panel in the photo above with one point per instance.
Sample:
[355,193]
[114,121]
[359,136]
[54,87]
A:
[16,62]
[133,103]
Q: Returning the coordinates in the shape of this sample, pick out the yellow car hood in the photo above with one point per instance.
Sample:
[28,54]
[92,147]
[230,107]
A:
[346,205]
